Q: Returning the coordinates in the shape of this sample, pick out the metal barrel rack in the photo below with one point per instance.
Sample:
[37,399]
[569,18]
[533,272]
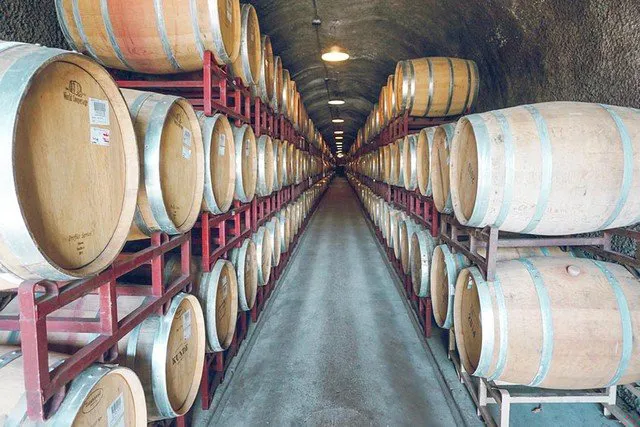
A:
[468,240]
[422,210]
[38,300]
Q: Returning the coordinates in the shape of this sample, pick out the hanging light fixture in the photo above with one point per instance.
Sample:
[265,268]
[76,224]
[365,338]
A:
[335,54]
[338,120]
[336,101]
[338,132]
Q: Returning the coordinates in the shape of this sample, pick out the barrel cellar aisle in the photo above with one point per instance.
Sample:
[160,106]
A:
[336,345]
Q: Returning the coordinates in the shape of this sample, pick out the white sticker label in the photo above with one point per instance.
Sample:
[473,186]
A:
[100,136]
[229,11]
[186,137]
[186,324]
[98,112]
[222,144]
[115,413]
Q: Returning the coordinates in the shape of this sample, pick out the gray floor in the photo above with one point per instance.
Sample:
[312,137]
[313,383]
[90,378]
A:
[337,345]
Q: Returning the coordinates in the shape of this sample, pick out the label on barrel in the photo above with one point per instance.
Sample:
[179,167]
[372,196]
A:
[222,143]
[186,143]
[98,112]
[186,324]
[229,11]
[115,413]
[100,136]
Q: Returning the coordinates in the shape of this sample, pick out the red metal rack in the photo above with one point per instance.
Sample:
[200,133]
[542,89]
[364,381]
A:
[38,300]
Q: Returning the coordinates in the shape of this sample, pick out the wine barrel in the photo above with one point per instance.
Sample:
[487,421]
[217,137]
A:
[285,107]
[276,232]
[219,163]
[410,162]
[244,260]
[558,150]
[406,231]
[391,102]
[423,164]
[264,254]
[292,163]
[395,216]
[264,184]
[61,108]
[285,229]
[422,247]
[152,37]
[276,98]
[171,163]
[218,295]
[105,393]
[439,168]
[248,65]
[283,158]
[446,265]
[531,327]
[436,87]
[278,166]
[264,88]
[246,163]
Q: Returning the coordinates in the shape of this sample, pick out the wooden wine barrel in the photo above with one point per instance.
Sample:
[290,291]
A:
[104,393]
[531,327]
[244,260]
[446,265]
[264,89]
[285,230]
[292,163]
[386,163]
[423,160]
[382,105]
[407,229]
[219,163]
[61,108]
[248,65]
[436,87]
[264,184]
[395,216]
[264,254]
[171,163]
[391,98]
[439,168]
[283,158]
[410,162]
[276,232]
[557,149]
[218,295]
[276,98]
[285,106]
[152,37]
[246,163]
[422,247]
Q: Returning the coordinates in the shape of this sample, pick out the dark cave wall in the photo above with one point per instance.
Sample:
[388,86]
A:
[32,21]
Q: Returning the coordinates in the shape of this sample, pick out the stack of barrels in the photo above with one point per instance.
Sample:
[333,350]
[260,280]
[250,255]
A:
[423,87]
[532,169]
[89,167]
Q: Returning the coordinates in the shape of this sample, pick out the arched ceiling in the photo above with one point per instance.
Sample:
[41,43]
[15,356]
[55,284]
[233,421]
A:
[526,50]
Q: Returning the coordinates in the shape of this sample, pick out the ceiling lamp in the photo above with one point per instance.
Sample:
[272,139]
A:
[339,138]
[340,155]
[335,54]
[339,132]
[336,102]
[338,120]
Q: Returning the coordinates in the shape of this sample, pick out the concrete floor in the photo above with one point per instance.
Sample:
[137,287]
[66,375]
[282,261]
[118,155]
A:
[338,346]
